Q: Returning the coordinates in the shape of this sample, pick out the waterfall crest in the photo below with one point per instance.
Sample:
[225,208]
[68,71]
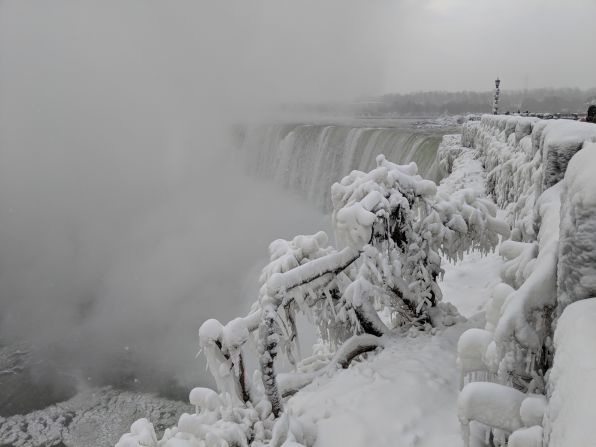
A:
[309,158]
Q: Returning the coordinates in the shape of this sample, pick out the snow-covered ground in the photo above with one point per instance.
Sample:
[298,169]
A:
[467,283]
[405,395]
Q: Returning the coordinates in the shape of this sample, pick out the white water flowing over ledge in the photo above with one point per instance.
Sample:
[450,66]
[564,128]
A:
[308,158]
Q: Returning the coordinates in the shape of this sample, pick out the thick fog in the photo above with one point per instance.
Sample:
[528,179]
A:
[126,218]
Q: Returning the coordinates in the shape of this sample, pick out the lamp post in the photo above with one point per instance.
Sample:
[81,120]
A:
[496,99]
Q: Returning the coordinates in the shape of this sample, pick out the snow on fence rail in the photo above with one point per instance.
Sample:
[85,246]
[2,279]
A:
[542,174]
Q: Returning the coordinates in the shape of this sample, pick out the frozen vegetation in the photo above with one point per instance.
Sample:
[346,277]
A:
[396,363]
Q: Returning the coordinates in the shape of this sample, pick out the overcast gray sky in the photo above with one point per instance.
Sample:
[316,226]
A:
[464,44]
[309,50]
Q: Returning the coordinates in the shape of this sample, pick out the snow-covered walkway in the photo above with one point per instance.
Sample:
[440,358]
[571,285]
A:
[407,394]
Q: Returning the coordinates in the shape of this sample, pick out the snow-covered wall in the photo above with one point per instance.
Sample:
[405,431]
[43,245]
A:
[542,173]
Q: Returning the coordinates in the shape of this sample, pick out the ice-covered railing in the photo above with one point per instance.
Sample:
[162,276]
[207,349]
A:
[524,156]
[550,263]
[577,259]
[391,226]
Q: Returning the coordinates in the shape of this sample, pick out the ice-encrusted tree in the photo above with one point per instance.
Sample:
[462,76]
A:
[391,228]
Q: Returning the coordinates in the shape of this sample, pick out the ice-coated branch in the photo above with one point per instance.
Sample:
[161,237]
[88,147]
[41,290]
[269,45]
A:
[222,346]
[280,283]
[268,342]
[290,384]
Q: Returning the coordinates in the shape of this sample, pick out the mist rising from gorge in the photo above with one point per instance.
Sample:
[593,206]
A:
[126,218]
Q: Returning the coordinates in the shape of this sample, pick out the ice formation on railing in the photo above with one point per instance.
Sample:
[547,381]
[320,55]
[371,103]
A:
[523,157]
[577,260]
[526,160]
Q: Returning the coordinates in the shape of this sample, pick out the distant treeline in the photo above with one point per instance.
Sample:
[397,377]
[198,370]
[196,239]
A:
[554,100]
